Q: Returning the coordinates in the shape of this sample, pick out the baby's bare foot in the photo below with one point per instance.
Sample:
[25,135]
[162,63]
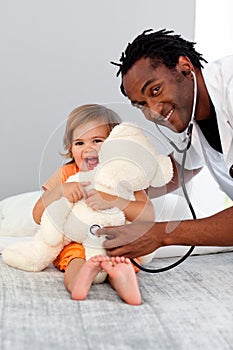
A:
[123,279]
[86,276]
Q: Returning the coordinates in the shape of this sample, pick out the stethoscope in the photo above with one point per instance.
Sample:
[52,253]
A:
[187,143]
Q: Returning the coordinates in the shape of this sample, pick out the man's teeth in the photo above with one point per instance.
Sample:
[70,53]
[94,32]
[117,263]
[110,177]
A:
[169,114]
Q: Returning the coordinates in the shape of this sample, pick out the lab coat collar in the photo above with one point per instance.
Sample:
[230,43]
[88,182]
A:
[216,78]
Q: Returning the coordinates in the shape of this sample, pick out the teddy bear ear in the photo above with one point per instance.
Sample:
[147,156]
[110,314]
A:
[164,171]
[128,141]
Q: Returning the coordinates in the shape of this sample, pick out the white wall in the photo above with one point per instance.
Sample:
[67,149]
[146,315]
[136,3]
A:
[55,56]
[214,28]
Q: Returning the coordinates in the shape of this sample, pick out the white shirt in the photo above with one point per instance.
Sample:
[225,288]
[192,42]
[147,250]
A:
[218,77]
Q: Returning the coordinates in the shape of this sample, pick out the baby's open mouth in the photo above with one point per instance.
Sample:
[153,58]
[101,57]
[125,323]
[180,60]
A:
[91,162]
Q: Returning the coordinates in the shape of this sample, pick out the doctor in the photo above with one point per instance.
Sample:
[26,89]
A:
[160,71]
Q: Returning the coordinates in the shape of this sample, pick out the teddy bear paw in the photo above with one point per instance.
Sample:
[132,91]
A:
[30,256]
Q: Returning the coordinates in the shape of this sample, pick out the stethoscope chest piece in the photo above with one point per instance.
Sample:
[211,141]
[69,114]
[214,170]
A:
[92,231]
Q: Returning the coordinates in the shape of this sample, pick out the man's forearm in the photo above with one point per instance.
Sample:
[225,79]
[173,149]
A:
[174,183]
[216,230]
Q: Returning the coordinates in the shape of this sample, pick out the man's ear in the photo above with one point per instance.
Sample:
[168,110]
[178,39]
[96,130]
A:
[184,65]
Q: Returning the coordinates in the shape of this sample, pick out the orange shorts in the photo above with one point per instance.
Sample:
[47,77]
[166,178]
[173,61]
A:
[72,251]
[69,252]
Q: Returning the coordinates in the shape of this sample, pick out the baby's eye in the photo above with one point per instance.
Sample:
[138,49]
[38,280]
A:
[78,143]
[98,140]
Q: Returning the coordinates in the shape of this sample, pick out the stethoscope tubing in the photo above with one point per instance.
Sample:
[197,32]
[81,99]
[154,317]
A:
[188,141]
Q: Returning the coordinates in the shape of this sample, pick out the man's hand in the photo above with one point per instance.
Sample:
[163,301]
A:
[133,240]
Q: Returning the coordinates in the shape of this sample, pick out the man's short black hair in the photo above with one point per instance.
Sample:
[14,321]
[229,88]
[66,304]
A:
[162,47]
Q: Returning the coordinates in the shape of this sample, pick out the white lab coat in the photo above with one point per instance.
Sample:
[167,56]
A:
[218,77]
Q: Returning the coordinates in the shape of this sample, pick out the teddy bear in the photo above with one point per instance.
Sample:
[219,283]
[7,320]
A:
[128,162]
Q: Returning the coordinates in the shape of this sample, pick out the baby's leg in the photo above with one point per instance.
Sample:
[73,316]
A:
[71,272]
[82,274]
[123,279]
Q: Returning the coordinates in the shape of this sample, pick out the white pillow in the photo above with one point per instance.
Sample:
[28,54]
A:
[16,215]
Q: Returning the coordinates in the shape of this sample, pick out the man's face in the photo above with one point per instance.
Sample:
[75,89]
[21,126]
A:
[165,95]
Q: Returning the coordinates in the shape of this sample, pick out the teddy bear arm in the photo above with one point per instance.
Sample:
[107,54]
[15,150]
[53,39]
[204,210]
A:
[53,220]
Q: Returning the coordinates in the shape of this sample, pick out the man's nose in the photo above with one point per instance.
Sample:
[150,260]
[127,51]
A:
[153,111]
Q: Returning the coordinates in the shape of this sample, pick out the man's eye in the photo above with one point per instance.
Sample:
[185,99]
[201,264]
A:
[155,90]
[139,105]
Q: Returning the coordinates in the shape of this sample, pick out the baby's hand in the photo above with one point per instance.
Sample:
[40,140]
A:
[74,191]
[99,200]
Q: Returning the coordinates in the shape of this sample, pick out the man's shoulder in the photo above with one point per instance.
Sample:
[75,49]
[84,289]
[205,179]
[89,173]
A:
[222,65]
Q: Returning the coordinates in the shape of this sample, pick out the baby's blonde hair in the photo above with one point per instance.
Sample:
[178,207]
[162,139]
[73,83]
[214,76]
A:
[85,114]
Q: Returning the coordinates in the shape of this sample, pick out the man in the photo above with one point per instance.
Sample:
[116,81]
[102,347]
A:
[158,72]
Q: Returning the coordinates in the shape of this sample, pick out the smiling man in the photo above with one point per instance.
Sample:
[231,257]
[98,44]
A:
[164,76]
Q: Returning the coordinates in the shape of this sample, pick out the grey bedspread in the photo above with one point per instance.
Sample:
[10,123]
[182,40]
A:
[189,307]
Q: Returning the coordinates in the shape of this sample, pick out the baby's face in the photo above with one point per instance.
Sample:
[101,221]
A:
[87,140]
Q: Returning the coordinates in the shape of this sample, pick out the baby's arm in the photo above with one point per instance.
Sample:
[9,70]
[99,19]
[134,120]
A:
[73,191]
[141,209]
